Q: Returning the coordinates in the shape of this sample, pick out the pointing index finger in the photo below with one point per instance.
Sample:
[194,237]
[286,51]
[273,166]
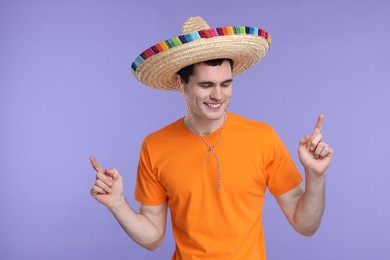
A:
[96,165]
[319,123]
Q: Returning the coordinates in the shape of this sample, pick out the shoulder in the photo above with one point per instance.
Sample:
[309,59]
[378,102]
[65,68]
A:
[166,141]
[169,131]
[253,130]
[246,124]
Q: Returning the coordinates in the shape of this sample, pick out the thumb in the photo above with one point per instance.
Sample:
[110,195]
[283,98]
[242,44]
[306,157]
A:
[305,140]
[113,173]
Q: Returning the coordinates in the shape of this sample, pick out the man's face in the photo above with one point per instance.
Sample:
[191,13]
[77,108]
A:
[208,91]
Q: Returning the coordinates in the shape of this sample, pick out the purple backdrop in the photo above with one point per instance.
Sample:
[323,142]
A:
[66,92]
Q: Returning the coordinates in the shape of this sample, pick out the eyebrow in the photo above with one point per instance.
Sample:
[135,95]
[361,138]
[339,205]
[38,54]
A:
[213,83]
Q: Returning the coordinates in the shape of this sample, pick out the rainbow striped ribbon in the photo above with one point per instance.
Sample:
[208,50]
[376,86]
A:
[206,33]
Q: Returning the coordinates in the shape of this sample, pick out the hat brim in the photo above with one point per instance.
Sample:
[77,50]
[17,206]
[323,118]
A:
[158,70]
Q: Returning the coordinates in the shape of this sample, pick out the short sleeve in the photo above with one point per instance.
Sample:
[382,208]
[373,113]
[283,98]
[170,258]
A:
[282,174]
[148,189]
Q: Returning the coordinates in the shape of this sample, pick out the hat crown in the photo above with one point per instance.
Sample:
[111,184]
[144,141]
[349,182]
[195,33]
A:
[194,24]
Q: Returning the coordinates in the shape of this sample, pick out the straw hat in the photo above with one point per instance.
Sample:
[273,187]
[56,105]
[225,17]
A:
[157,66]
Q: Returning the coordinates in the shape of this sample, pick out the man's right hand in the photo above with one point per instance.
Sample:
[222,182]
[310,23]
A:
[146,228]
[108,186]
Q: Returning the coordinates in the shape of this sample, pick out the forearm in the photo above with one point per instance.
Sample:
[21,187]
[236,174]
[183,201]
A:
[138,226]
[310,208]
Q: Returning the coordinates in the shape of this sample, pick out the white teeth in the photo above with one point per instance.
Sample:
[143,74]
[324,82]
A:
[214,105]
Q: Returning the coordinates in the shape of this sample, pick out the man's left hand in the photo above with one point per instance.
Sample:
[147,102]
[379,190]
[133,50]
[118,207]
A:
[314,154]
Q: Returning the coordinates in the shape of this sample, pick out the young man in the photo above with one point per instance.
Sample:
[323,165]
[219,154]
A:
[212,168]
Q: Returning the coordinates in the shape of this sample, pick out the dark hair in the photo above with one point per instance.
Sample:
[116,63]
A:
[186,72]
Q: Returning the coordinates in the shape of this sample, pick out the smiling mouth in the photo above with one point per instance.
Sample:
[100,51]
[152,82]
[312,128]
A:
[213,105]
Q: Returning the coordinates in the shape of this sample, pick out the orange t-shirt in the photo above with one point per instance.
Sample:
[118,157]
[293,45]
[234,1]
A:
[208,224]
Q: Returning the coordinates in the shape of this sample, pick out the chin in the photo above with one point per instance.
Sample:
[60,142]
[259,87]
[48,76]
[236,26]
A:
[218,115]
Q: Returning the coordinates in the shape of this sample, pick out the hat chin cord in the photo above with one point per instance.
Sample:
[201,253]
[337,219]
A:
[210,148]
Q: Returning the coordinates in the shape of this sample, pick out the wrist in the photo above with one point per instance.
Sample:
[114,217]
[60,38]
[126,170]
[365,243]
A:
[118,204]
[309,172]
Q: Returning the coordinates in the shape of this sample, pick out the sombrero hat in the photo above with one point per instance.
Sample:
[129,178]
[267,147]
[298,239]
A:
[157,66]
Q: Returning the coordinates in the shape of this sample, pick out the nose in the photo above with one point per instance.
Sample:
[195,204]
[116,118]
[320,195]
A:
[216,93]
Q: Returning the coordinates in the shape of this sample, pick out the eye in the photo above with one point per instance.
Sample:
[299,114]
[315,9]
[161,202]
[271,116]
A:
[205,85]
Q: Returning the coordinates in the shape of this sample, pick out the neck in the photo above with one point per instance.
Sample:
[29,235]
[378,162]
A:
[205,127]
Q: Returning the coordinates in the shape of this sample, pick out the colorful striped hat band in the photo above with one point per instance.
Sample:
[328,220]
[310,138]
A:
[156,67]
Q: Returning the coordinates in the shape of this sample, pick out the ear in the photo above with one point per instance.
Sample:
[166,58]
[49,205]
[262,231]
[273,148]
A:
[179,84]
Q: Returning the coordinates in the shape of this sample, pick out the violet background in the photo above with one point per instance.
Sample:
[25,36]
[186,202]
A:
[66,92]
